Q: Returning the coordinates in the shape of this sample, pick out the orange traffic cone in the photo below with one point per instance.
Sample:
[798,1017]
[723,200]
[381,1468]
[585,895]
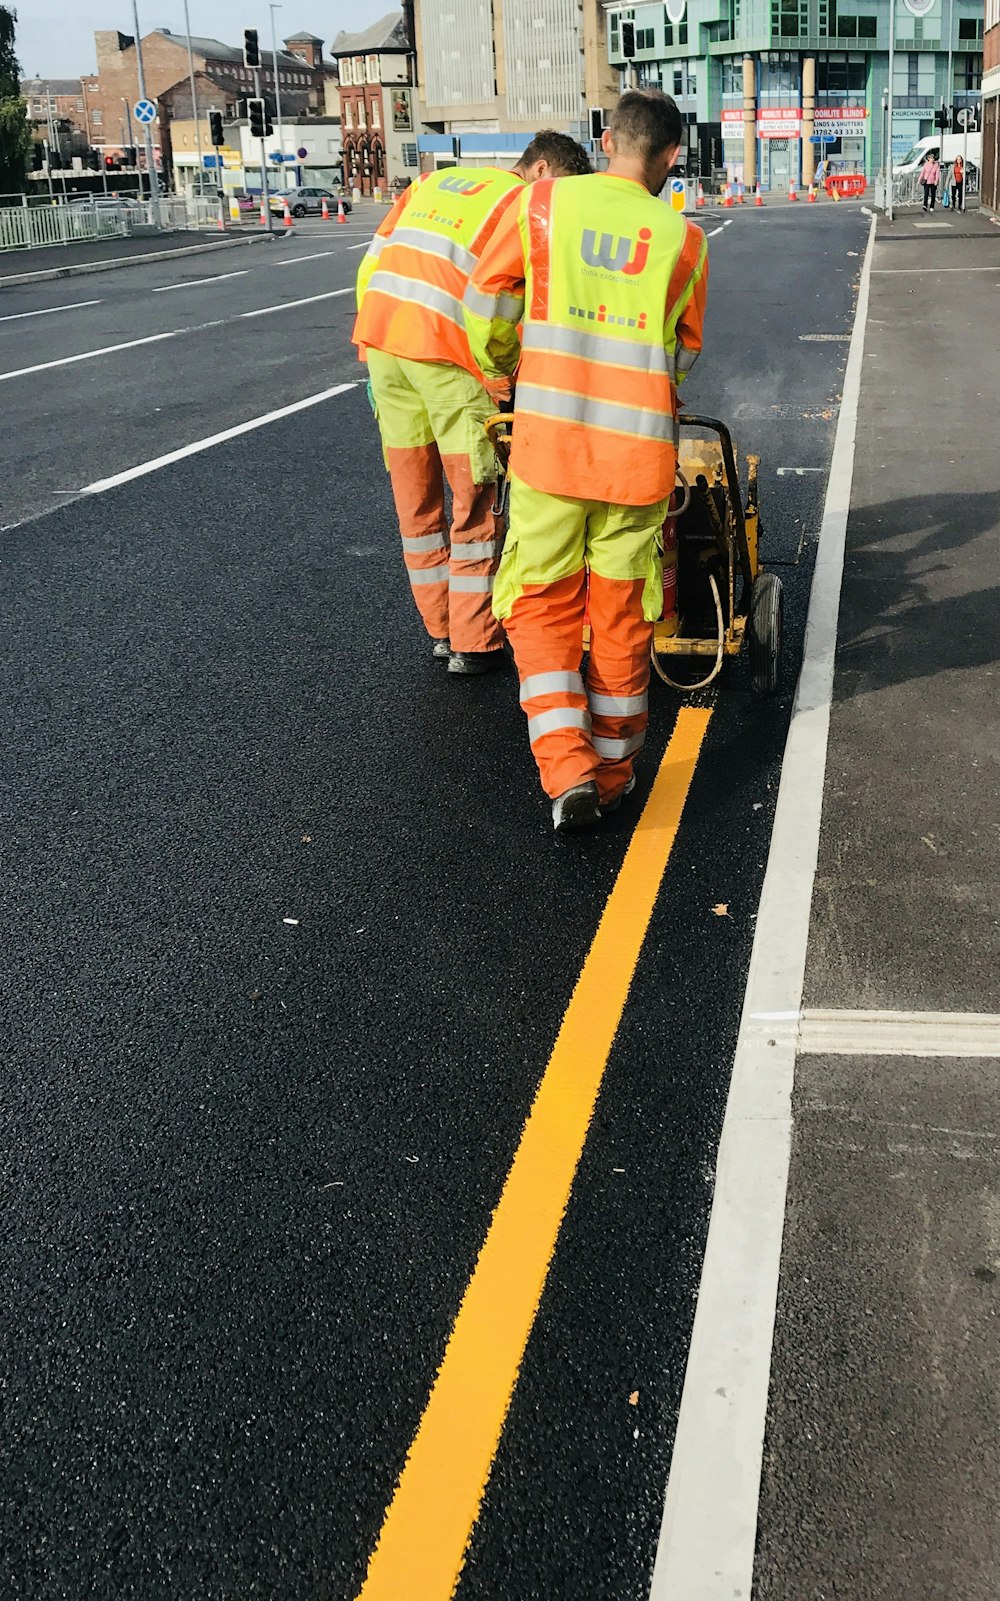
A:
[739,193]
[758,198]
[728,201]
[287,215]
[701,197]
[811,196]
[263,212]
[792,192]
[341,213]
[326,210]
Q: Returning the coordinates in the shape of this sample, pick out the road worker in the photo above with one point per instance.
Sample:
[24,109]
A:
[428,395]
[594,292]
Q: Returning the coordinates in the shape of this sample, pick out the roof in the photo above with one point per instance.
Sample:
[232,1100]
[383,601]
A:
[217,51]
[303,38]
[52,86]
[387,34]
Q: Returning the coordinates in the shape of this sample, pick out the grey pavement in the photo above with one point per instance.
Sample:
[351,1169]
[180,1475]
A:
[883,1450]
[100,255]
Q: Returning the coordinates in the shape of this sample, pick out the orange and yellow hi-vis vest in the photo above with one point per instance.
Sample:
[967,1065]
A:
[608,285]
[412,279]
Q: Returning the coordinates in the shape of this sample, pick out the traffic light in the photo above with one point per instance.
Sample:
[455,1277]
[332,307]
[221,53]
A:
[251,48]
[215,128]
[130,156]
[628,40]
[942,118]
[109,163]
[261,126]
[596,123]
[37,158]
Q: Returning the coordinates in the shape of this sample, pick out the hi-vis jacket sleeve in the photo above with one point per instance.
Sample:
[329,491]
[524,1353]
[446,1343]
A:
[370,259]
[691,321]
[494,304]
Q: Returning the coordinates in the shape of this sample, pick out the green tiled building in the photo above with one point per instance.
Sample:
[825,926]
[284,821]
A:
[699,60]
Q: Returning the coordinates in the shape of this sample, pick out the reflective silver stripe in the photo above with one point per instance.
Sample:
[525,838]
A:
[475,550]
[508,307]
[686,358]
[544,336]
[471,586]
[595,413]
[617,705]
[435,245]
[417,544]
[551,684]
[378,244]
[558,717]
[400,288]
[428,575]
[613,750]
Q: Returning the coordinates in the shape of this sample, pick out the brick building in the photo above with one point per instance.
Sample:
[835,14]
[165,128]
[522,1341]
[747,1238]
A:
[110,93]
[378,103]
[991,108]
[57,111]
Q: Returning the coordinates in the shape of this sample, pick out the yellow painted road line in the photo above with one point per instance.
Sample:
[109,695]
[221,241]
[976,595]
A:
[421,1548]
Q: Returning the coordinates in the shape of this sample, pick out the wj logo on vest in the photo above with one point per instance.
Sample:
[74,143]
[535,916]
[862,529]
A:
[616,255]
[461,186]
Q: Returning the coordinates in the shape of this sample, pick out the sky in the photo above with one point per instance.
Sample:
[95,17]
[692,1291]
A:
[55,38]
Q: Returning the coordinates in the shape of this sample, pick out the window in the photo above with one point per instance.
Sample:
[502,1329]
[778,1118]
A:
[968,74]
[376,114]
[345,72]
[348,114]
[789,18]
[839,76]
[847,27]
[373,73]
[362,122]
[732,76]
[969,28]
[645,38]
[79,103]
[97,117]
[678,82]
[867,27]
[913,77]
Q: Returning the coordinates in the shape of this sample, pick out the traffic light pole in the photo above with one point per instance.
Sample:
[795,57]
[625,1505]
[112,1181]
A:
[265,195]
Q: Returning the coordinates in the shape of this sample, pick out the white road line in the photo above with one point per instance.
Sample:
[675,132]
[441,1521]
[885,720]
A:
[105,350]
[796,472]
[363,245]
[293,261]
[287,305]
[192,283]
[846,1033]
[15,316]
[706,1548]
[104,484]
[932,272]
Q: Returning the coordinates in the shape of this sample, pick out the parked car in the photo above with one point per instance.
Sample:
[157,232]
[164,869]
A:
[304,200]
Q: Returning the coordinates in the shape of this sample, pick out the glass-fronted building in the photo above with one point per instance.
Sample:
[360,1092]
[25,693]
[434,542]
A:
[699,60]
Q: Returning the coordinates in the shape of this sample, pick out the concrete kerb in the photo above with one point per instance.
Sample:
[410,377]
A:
[47,274]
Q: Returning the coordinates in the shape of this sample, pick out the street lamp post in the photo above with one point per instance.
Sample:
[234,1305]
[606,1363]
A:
[194,104]
[888,110]
[277,90]
[154,185]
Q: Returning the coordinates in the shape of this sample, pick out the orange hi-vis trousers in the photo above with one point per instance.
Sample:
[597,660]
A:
[431,419]
[593,730]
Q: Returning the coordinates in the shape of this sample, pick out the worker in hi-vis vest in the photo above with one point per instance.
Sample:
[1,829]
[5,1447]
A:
[593,290]
[428,394]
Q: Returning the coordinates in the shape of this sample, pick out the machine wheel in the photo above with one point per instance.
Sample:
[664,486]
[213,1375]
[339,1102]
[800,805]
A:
[299,210]
[766,633]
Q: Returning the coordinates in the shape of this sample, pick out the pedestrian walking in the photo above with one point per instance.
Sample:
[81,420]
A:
[428,395]
[930,176]
[958,185]
[594,292]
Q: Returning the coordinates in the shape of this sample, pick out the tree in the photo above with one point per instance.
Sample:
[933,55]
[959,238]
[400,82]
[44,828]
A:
[15,132]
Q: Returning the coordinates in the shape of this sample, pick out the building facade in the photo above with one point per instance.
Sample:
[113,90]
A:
[378,104]
[493,72]
[57,111]
[834,53]
[991,108]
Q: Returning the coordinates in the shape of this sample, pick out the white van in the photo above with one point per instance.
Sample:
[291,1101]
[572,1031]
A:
[954,145]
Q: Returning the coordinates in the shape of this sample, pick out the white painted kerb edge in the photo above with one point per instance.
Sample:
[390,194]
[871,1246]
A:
[706,1549]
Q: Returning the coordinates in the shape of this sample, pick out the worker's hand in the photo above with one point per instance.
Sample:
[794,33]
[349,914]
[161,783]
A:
[501,392]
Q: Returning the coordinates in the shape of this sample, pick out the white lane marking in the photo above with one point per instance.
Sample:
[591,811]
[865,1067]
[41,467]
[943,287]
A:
[192,283]
[796,472]
[932,272]
[706,1547]
[293,261]
[105,350]
[103,484]
[287,305]
[363,245]
[846,1033]
[825,339]
[15,316]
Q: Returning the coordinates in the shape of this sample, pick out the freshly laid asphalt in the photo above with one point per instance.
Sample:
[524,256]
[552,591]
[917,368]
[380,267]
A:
[288,942]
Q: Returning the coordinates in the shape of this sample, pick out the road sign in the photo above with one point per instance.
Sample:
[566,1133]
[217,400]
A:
[678,193]
[144,111]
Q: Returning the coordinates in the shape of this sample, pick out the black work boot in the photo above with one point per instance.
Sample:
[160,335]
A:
[578,807]
[477,661]
[441,650]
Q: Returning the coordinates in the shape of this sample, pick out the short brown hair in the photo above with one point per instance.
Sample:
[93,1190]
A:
[566,158]
[646,122]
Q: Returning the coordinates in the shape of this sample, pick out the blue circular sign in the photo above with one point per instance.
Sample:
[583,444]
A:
[144,111]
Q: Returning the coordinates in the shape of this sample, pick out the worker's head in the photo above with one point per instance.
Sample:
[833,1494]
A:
[552,155]
[643,137]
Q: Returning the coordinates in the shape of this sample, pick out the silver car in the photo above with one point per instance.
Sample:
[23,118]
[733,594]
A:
[304,200]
